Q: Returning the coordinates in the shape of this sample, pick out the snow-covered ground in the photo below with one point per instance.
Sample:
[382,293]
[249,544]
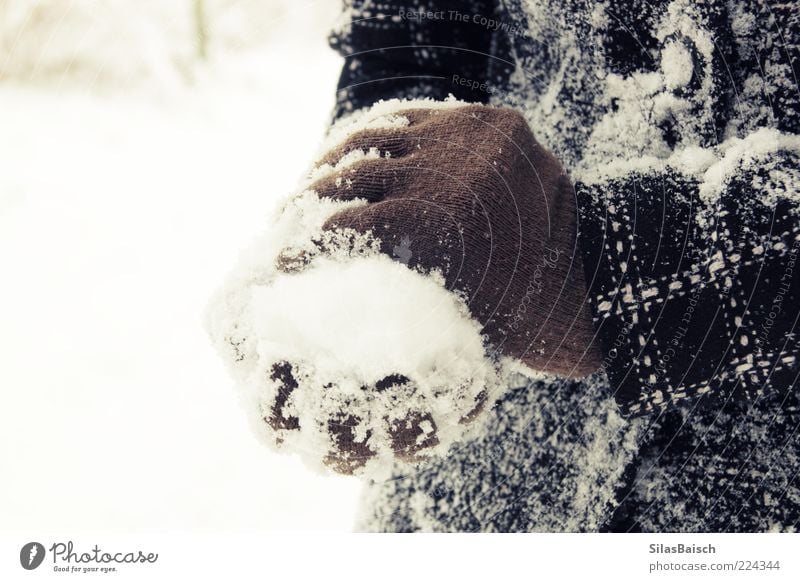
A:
[120,212]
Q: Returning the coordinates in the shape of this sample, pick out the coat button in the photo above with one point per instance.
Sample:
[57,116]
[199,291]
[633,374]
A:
[679,62]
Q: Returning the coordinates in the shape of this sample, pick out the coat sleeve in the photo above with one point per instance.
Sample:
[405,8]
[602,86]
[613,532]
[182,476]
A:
[401,49]
[693,279]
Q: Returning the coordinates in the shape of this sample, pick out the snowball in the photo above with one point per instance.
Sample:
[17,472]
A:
[362,318]
[347,325]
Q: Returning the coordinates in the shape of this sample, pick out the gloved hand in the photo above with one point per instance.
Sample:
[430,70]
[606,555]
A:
[443,236]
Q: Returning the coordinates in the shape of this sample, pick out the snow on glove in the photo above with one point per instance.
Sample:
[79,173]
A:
[431,255]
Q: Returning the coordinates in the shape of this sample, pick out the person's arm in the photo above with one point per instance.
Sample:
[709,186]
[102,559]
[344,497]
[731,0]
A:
[396,49]
[691,262]
[694,280]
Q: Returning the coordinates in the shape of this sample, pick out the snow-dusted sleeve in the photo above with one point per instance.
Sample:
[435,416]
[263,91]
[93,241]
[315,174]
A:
[396,49]
[693,277]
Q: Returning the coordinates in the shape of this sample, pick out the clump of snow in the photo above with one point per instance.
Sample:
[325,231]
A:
[384,114]
[715,166]
[347,325]
[749,153]
[349,159]
[292,226]
[691,161]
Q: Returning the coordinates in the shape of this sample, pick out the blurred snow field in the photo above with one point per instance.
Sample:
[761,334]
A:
[134,170]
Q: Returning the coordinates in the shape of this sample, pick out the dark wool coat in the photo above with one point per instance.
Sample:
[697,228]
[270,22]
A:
[678,122]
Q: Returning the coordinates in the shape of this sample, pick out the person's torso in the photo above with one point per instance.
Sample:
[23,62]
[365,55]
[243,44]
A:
[623,79]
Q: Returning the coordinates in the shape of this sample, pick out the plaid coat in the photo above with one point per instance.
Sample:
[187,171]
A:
[678,122]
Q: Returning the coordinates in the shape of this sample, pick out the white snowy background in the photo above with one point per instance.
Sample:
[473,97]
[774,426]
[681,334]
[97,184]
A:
[132,170]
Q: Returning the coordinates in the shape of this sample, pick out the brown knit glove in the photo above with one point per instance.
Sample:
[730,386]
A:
[467,194]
